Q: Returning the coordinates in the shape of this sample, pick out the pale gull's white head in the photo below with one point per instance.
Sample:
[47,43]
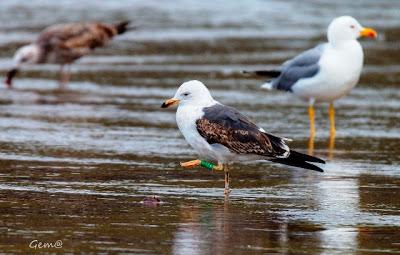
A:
[346,28]
[191,93]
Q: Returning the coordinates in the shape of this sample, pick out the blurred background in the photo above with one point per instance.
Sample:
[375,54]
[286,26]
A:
[75,163]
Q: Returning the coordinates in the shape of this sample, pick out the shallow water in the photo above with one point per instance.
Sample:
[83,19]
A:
[76,163]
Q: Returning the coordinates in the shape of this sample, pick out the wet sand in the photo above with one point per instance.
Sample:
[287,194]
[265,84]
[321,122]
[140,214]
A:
[76,163]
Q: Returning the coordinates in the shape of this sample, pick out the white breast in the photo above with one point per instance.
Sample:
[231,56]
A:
[340,70]
[186,117]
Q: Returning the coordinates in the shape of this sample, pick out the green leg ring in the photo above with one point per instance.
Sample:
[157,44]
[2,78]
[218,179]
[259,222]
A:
[207,165]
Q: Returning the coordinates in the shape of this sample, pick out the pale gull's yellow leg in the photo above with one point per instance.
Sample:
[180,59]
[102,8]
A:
[332,131]
[311,114]
[332,119]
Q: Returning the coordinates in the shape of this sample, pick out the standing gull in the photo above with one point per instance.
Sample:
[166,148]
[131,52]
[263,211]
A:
[327,72]
[63,44]
[221,133]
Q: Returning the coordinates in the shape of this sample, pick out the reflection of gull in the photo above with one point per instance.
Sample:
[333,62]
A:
[339,203]
[223,134]
[326,72]
[63,44]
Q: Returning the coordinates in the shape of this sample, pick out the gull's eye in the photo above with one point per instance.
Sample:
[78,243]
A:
[352,26]
[185,94]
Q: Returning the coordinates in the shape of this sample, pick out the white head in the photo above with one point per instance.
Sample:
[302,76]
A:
[191,92]
[28,54]
[346,28]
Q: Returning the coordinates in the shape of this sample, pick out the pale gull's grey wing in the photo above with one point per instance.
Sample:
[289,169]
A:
[302,66]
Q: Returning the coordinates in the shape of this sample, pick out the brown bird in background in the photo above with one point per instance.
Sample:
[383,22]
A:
[63,44]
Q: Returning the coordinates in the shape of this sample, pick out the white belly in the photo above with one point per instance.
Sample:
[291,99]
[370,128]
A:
[339,73]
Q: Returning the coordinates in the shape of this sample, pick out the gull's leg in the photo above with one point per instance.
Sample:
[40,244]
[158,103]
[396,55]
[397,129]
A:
[218,167]
[332,119]
[208,165]
[191,163]
[64,76]
[311,115]
[227,189]
[332,131]
[203,163]
[68,74]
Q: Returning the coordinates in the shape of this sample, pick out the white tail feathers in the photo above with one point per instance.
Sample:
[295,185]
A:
[267,86]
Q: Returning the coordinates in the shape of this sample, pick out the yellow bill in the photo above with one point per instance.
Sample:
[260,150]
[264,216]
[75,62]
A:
[170,102]
[368,32]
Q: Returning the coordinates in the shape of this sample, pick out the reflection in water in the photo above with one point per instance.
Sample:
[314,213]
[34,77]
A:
[187,239]
[342,239]
[334,208]
[227,228]
[75,164]
[331,146]
[311,145]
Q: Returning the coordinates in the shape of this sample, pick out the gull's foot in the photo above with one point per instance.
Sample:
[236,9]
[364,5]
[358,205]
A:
[190,164]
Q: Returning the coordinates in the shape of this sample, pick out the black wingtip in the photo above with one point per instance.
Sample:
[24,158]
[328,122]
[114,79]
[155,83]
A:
[306,157]
[122,26]
[264,73]
[301,164]
[301,160]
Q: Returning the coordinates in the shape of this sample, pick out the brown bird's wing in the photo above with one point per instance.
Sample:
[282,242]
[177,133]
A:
[225,125]
[73,40]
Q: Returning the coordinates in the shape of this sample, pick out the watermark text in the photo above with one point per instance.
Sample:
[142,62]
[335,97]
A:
[36,244]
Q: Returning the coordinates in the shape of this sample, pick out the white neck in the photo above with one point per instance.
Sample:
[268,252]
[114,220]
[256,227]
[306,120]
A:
[342,44]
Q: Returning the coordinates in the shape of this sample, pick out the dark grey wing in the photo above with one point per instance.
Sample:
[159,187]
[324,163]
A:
[225,125]
[303,66]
